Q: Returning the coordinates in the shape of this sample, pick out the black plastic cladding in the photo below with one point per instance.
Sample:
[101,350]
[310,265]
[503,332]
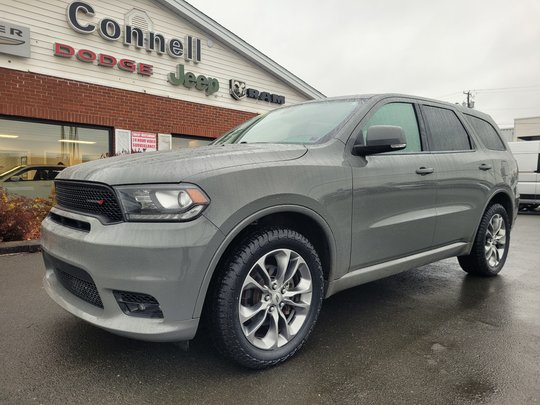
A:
[89,198]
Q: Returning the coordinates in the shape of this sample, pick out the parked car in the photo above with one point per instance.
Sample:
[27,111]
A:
[31,181]
[253,231]
[527,154]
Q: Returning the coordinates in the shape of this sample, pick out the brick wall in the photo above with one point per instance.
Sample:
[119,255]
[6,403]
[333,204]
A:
[32,95]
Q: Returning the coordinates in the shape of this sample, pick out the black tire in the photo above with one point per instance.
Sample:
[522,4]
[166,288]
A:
[229,333]
[476,263]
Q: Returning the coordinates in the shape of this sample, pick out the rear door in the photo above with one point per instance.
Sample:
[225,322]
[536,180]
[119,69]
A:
[464,174]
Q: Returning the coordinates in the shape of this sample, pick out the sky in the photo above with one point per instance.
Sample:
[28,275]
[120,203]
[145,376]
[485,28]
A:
[431,48]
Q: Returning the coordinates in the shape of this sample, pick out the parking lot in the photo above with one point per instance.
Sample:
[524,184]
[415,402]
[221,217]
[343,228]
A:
[430,335]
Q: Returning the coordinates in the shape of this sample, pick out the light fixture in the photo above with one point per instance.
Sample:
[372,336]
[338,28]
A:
[73,141]
[9,136]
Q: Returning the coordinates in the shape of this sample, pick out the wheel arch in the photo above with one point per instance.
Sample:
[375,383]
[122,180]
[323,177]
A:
[302,219]
[502,197]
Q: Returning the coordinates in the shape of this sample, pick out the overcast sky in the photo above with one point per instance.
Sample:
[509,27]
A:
[429,48]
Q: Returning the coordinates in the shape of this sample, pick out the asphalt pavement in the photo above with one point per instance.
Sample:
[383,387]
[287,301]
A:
[430,335]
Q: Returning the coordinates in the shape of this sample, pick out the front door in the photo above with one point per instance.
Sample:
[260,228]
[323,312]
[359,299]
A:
[394,193]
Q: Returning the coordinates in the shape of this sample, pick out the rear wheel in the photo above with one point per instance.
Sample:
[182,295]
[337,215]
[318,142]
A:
[491,244]
[267,298]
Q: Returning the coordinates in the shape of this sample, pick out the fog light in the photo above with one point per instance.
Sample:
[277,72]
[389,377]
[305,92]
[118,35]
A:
[138,304]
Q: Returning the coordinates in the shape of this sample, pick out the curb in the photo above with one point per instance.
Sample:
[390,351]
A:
[24,246]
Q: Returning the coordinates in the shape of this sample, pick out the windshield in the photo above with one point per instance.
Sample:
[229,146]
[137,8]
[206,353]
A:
[10,171]
[303,124]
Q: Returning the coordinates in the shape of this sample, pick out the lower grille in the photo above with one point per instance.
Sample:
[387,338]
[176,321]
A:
[69,222]
[85,290]
[75,280]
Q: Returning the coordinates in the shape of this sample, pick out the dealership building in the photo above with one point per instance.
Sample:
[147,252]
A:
[83,80]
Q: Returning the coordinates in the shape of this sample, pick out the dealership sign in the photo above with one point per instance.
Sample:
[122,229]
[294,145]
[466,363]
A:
[14,39]
[238,90]
[89,56]
[189,80]
[80,15]
[109,29]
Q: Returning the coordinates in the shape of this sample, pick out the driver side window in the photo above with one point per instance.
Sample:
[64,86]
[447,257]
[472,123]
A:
[400,115]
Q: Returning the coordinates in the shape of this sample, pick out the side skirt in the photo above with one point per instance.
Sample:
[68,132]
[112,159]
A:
[381,270]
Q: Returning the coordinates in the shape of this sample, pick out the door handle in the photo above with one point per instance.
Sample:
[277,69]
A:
[485,166]
[424,170]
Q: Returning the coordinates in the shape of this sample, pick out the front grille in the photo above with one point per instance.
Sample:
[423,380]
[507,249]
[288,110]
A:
[89,198]
[75,280]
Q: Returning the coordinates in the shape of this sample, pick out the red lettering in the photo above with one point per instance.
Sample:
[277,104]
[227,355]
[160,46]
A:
[145,69]
[86,55]
[63,50]
[106,60]
[127,64]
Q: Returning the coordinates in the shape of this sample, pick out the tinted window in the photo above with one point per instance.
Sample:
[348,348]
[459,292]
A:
[486,132]
[445,130]
[401,115]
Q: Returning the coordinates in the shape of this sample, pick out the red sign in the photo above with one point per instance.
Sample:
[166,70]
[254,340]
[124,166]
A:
[143,142]
[109,61]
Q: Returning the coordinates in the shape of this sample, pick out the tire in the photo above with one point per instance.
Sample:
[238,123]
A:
[491,244]
[272,281]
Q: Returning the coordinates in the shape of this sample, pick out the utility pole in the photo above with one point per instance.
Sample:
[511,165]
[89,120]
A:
[470,101]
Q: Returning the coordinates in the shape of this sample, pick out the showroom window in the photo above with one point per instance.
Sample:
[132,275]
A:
[187,141]
[36,143]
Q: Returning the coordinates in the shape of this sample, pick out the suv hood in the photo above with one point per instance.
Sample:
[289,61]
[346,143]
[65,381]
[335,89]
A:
[178,165]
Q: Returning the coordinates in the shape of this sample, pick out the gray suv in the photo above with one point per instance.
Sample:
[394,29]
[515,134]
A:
[253,231]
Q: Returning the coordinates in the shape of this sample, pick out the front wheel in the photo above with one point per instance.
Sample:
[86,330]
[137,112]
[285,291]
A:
[491,244]
[267,298]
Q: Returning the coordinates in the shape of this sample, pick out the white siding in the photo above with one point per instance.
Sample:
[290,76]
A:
[48,24]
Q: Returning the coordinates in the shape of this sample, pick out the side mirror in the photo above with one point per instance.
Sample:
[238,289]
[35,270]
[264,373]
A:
[15,178]
[381,138]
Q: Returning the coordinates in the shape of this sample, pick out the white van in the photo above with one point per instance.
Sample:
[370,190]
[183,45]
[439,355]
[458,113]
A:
[527,154]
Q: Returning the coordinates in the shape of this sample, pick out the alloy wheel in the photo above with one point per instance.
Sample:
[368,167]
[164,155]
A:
[495,244]
[275,299]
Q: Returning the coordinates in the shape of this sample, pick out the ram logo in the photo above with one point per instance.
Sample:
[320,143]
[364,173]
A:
[237,89]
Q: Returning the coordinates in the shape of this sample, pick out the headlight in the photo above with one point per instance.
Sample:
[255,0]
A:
[162,202]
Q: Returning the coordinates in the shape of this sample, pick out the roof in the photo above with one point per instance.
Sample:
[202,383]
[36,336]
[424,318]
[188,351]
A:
[201,20]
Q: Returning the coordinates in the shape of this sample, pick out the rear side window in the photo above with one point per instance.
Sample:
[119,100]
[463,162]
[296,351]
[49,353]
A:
[446,133]
[400,115]
[486,132]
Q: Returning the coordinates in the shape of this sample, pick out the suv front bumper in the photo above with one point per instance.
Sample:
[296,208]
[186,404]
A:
[165,260]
